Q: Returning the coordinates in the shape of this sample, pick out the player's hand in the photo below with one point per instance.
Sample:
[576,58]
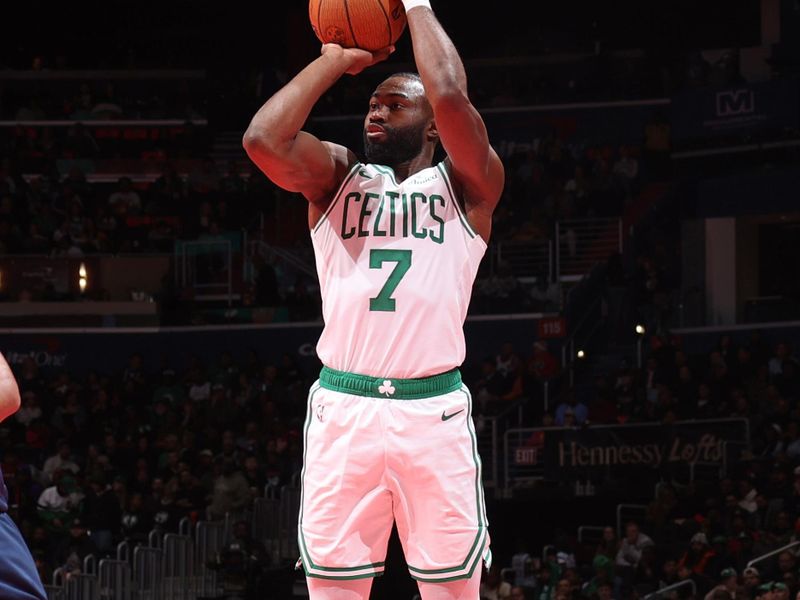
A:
[359,59]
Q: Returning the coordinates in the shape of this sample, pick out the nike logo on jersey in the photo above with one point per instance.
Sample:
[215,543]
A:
[446,417]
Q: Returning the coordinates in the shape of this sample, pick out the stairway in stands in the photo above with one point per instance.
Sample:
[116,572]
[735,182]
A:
[610,350]
[582,243]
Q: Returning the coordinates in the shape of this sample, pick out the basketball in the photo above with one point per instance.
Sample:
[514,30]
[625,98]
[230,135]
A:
[367,24]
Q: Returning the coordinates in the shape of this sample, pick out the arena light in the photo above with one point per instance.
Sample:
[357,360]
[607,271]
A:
[83,279]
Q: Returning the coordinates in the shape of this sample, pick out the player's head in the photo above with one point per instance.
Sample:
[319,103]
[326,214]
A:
[399,123]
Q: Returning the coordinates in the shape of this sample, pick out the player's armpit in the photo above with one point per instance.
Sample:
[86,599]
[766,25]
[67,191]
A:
[306,165]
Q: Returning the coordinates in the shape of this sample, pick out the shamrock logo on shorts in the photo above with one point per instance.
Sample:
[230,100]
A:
[387,387]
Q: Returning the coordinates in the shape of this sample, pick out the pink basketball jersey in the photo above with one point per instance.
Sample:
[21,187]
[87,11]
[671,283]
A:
[396,265]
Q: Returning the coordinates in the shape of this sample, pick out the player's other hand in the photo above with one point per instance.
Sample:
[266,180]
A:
[358,59]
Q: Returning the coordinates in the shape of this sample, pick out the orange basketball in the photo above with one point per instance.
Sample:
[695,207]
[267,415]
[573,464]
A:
[367,24]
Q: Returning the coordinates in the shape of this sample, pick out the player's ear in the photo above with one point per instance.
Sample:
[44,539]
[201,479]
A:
[431,132]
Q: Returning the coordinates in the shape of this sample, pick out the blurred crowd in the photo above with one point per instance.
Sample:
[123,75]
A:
[70,216]
[93,461]
[102,100]
[730,535]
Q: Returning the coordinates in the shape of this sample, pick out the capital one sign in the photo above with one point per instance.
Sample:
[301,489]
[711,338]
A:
[735,102]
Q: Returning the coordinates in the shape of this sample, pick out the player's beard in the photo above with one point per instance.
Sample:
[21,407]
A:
[399,145]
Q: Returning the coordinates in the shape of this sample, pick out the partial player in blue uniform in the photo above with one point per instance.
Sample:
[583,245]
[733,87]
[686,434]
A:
[19,579]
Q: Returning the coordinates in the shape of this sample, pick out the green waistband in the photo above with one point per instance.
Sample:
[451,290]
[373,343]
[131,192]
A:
[396,389]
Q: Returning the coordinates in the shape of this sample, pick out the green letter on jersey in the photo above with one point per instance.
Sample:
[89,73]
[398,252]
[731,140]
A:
[384,302]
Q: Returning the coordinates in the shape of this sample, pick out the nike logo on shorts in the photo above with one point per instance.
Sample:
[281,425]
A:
[446,417]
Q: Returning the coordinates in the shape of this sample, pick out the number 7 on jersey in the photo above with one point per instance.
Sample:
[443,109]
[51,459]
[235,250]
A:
[384,302]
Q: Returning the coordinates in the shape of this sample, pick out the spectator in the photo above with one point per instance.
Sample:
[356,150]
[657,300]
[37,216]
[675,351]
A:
[570,405]
[507,361]
[722,558]
[242,562]
[695,560]
[125,200]
[60,461]
[501,291]
[74,548]
[231,491]
[628,557]
[544,589]
[492,585]
[626,172]
[102,513]
[136,522]
[545,365]
[605,591]
[603,575]
[780,591]
[490,388]
[59,504]
[30,409]
[523,566]
[646,575]
[787,563]
[546,295]
[517,593]
[751,581]
[728,581]
[204,180]
[609,544]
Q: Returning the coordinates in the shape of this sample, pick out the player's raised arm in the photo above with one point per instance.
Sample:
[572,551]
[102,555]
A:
[9,391]
[293,159]
[461,129]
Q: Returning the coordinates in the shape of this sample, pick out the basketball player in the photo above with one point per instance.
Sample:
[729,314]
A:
[398,240]
[19,579]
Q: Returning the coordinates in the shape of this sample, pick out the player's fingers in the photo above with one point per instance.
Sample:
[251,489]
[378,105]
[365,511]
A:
[382,54]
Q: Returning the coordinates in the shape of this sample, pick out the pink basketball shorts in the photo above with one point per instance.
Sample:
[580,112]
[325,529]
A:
[379,451]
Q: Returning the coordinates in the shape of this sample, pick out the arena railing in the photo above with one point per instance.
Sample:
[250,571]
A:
[671,588]
[582,243]
[772,553]
[209,541]
[206,266]
[584,532]
[115,579]
[527,259]
[488,430]
[179,567]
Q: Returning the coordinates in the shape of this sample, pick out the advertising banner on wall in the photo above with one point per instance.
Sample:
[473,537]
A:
[746,108]
[108,350]
[604,452]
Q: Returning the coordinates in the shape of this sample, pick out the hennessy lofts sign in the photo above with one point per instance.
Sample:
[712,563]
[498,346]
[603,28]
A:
[622,451]
[710,449]
[627,449]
